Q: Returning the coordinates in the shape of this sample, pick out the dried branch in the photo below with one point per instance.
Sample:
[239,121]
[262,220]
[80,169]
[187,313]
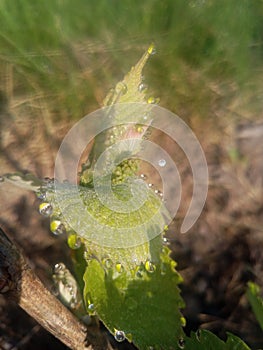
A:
[19,282]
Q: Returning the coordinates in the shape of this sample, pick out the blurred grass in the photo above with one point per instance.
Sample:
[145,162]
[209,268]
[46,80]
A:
[73,52]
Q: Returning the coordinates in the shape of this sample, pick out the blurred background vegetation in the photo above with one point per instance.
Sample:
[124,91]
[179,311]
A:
[59,58]
[73,52]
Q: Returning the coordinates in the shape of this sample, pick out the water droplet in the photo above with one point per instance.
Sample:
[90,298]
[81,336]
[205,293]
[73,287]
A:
[151,100]
[74,242]
[45,209]
[119,336]
[121,88]
[86,255]
[57,227]
[150,185]
[183,321]
[59,268]
[142,87]
[165,241]
[119,267]
[159,193]
[91,308]
[162,162]
[152,50]
[139,128]
[181,343]
[139,271]
[107,263]
[143,176]
[149,266]
[41,194]
[145,117]
[2,179]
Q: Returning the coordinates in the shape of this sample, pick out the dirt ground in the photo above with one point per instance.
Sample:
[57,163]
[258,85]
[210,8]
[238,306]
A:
[217,258]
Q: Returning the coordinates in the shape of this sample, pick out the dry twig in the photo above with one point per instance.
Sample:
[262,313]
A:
[19,282]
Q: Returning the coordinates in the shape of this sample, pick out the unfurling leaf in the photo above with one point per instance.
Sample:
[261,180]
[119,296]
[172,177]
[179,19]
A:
[130,281]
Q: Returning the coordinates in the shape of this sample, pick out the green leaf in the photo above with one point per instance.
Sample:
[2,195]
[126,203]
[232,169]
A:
[205,340]
[256,302]
[130,280]
[144,305]
[235,343]
[130,88]
[103,230]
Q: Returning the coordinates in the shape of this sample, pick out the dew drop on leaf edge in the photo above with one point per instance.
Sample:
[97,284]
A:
[152,50]
[86,255]
[57,227]
[59,267]
[74,242]
[151,100]
[183,321]
[108,263]
[181,343]
[165,241]
[45,209]
[142,87]
[159,193]
[119,336]
[139,271]
[91,309]
[149,266]
[119,267]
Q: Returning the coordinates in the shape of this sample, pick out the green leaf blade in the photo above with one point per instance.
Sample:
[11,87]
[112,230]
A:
[146,307]
[206,340]
[256,302]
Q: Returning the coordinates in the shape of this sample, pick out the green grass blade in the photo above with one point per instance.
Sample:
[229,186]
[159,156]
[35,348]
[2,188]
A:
[256,302]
